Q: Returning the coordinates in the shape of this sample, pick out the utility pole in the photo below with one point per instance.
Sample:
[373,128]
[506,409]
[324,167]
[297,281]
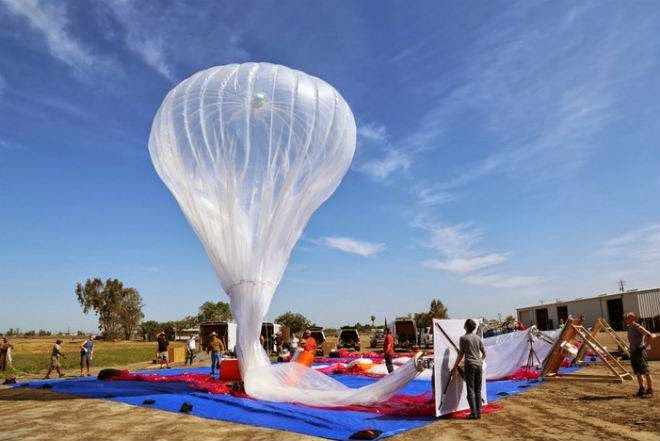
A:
[622,286]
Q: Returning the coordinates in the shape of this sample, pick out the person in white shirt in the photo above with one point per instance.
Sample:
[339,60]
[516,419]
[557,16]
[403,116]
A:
[293,342]
[191,345]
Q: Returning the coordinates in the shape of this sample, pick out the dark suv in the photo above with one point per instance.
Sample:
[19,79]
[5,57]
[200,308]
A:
[348,339]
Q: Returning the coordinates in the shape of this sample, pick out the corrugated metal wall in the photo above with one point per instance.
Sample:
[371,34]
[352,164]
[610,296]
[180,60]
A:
[649,303]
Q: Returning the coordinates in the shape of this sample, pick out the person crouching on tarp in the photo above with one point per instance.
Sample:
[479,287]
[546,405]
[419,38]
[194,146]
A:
[216,348]
[388,350]
[472,349]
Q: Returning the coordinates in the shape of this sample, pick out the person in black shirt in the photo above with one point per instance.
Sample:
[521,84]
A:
[161,355]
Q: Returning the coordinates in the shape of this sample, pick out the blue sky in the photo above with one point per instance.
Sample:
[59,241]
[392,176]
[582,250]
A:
[507,153]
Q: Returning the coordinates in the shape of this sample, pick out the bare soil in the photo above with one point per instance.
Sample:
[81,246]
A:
[553,411]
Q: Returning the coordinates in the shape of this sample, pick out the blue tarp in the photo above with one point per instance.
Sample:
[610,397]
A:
[333,424]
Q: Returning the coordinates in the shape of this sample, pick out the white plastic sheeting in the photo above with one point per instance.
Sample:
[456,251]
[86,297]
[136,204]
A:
[508,353]
[250,151]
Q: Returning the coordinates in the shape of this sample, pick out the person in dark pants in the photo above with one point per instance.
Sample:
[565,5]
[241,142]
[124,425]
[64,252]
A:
[388,350]
[5,354]
[638,358]
[162,355]
[86,354]
[471,348]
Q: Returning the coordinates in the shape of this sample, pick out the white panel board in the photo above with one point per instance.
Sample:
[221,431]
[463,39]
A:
[455,398]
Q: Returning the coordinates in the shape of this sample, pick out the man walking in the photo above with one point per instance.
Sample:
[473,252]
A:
[216,348]
[55,355]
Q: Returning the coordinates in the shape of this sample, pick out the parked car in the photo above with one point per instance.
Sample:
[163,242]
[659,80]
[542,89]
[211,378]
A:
[319,336]
[426,337]
[348,339]
[404,332]
[377,339]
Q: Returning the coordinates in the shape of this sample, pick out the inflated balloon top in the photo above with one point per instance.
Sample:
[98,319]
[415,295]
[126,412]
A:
[250,151]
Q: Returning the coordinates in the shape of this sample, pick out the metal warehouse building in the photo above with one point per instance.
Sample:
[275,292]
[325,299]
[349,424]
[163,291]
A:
[644,303]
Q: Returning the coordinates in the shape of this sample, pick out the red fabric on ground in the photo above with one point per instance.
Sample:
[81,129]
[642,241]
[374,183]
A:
[400,405]
[414,406]
[201,382]
[524,374]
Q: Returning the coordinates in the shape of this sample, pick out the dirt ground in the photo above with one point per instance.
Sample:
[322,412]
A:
[553,411]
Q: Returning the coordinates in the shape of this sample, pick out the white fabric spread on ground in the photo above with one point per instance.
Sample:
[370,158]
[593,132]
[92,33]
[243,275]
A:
[250,151]
[508,353]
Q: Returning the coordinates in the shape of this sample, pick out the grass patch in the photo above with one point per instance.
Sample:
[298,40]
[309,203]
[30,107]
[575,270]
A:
[32,356]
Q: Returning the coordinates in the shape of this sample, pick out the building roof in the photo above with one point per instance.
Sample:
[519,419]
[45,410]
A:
[596,297]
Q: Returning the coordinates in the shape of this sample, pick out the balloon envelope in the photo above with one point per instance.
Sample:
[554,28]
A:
[250,151]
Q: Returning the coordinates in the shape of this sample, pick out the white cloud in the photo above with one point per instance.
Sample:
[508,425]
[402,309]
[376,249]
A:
[638,246]
[353,246]
[540,96]
[381,168]
[502,281]
[458,248]
[466,264]
[428,196]
[50,20]
[163,41]
[372,132]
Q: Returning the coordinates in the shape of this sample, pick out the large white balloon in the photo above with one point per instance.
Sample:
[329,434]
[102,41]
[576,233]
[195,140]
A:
[250,151]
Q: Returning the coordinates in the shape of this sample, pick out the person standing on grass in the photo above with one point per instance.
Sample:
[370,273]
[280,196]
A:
[5,354]
[471,347]
[191,345]
[388,350]
[55,355]
[638,358]
[310,342]
[162,350]
[86,353]
[216,348]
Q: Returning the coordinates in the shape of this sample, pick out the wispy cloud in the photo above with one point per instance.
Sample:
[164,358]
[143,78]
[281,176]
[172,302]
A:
[377,156]
[372,132]
[163,41]
[502,281]
[51,21]
[460,254]
[429,196]
[353,246]
[537,97]
[466,264]
[641,245]
[458,246]
[381,168]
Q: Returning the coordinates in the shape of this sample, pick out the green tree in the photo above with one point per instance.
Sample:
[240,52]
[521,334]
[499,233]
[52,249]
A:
[149,329]
[423,319]
[373,321]
[210,311]
[118,308]
[294,321]
[438,310]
